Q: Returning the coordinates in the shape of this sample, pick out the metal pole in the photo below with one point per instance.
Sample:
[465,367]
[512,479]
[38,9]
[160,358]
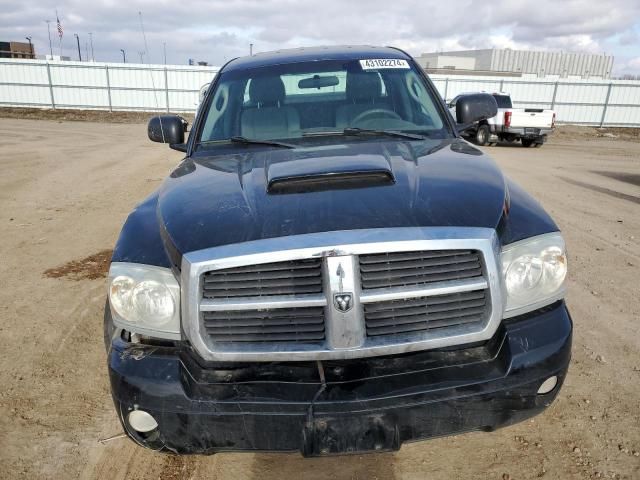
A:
[93,59]
[251,49]
[501,85]
[78,40]
[553,99]
[166,88]
[164,49]
[49,32]
[106,69]
[30,47]
[446,88]
[606,104]
[53,103]
[124,56]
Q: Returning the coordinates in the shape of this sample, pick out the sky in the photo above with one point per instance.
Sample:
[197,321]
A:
[216,31]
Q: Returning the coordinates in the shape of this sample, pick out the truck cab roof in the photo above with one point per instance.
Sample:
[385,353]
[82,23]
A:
[341,52]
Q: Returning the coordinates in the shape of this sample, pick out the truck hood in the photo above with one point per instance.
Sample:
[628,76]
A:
[213,200]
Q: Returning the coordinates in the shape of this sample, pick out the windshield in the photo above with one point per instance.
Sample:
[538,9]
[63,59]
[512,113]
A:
[289,101]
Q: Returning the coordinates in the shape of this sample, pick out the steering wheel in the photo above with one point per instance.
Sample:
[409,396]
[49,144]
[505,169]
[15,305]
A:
[381,112]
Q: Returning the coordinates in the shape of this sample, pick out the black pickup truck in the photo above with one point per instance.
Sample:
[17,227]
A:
[332,269]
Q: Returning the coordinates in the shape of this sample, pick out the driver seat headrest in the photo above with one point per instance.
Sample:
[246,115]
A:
[266,91]
[363,87]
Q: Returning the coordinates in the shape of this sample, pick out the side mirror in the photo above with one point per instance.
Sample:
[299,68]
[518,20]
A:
[473,108]
[167,129]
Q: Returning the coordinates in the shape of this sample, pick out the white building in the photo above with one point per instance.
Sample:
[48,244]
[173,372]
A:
[526,63]
[53,57]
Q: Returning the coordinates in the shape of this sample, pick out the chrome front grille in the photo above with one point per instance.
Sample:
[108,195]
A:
[294,277]
[399,269]
[260,326]
[421,314]
[339,295]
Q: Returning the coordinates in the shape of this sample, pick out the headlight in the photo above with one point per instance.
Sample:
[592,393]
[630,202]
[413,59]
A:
[145,299]
[534,271]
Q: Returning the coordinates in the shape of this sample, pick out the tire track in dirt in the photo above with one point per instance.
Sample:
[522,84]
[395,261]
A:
[177,468]
[285,466]
[603,190]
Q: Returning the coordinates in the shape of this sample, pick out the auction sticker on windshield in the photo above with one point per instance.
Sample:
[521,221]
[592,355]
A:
[378,63]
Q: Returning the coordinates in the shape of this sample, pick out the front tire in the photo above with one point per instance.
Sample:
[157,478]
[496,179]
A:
[482,135]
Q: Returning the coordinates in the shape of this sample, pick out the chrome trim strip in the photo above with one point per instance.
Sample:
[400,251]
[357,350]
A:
[342,242]
[259,303]
[343,329]
[328,245]
[437,288]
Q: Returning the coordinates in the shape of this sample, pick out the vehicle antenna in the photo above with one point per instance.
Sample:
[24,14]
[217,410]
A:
[153,84]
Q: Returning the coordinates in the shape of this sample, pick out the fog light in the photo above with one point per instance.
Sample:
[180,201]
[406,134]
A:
[142,421]
[548,385]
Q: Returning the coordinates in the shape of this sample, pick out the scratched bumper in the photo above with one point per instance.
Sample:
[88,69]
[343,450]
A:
[373,404]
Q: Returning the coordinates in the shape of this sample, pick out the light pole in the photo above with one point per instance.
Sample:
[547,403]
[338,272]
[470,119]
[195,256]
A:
[141,59]
[78,41]
[124,56]
[251,49]
[93,59]
[49,32]
[30,47]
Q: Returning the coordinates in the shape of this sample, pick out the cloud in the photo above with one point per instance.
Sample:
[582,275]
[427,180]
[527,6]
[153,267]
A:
[630,37]
[628,66]
[218,30]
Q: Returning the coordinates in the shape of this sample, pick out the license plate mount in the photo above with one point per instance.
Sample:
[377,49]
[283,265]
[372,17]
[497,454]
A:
[349,435]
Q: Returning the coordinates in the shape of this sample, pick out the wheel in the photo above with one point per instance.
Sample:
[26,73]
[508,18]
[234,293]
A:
[526,142]
[482,135]
[540,140]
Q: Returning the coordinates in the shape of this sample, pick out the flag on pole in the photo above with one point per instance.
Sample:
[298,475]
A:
[60,31]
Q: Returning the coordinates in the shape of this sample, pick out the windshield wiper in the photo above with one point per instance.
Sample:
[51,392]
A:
[248,141]
[390,133]
[355,131]
[255,141]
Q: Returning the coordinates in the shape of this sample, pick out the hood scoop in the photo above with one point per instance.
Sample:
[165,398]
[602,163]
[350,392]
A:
[318,173]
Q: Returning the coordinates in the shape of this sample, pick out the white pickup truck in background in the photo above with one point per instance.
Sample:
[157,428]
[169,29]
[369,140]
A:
[529,125]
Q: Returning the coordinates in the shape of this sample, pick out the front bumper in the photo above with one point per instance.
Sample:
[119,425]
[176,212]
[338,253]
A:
[362,405]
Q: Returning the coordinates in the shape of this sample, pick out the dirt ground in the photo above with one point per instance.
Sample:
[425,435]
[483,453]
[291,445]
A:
[73,115]
[67,187]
